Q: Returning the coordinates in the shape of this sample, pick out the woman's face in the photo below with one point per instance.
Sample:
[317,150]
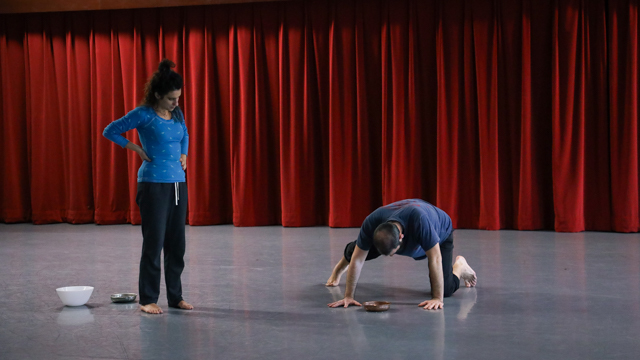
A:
[169,101]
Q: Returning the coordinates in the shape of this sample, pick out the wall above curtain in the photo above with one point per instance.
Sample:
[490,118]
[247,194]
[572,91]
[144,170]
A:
[39,6]
[506,114]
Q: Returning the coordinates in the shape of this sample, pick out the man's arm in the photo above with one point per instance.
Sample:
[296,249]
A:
[437,280]
[357,260]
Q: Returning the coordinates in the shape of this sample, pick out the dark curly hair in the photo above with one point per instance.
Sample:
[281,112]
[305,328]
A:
[162,82]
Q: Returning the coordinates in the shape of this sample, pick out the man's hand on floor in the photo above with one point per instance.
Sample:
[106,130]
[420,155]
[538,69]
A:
[344,302]
[433,304]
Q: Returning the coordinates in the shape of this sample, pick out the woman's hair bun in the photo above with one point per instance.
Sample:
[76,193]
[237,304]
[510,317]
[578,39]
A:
[161,82]
[166,65]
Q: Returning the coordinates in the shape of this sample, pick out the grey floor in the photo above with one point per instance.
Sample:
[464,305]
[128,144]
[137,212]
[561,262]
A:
[259,294]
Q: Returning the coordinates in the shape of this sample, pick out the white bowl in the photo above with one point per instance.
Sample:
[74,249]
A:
[74,295]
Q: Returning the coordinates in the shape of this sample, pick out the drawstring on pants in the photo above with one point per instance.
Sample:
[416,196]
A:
[177,191]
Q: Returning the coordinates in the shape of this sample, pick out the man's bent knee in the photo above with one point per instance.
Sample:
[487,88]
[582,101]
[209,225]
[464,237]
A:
[348,251]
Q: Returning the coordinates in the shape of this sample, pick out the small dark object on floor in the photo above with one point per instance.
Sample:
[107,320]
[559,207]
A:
[376,306]
[123,298]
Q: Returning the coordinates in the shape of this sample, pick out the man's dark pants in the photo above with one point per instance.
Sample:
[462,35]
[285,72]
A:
[451,282]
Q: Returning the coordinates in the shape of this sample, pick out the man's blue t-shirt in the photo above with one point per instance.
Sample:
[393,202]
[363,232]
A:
[424,226]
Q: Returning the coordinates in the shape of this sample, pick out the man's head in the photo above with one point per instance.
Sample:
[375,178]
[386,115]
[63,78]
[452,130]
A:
[387,238]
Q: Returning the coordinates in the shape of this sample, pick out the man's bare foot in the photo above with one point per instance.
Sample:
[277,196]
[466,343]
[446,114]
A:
[185,305]
[338,270]
[464,272]
[333,280]
[151,309]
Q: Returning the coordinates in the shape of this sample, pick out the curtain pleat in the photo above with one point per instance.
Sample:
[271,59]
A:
[506,114]
[15,141]
[622,49]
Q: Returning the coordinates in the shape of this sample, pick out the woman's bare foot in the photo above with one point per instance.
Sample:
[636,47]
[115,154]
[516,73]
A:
[185,305]
[151,309]
[338,270]
[464,272]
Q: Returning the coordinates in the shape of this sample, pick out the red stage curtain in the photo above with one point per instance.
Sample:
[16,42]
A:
[506,114]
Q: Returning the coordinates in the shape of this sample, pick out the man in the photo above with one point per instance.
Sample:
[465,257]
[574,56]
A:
[413,228]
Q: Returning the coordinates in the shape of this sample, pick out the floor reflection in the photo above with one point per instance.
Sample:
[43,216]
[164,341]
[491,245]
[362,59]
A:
[74,316]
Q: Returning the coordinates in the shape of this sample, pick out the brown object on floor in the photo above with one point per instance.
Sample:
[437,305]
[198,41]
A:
[376,306]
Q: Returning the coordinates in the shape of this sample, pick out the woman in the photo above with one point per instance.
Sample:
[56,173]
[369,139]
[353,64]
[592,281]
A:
[162,190]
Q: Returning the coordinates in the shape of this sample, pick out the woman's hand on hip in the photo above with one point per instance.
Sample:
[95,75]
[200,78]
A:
[140,151]
[183,161]
[143,155]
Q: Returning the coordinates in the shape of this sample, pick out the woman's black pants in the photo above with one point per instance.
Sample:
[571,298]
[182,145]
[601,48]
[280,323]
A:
[163,209]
